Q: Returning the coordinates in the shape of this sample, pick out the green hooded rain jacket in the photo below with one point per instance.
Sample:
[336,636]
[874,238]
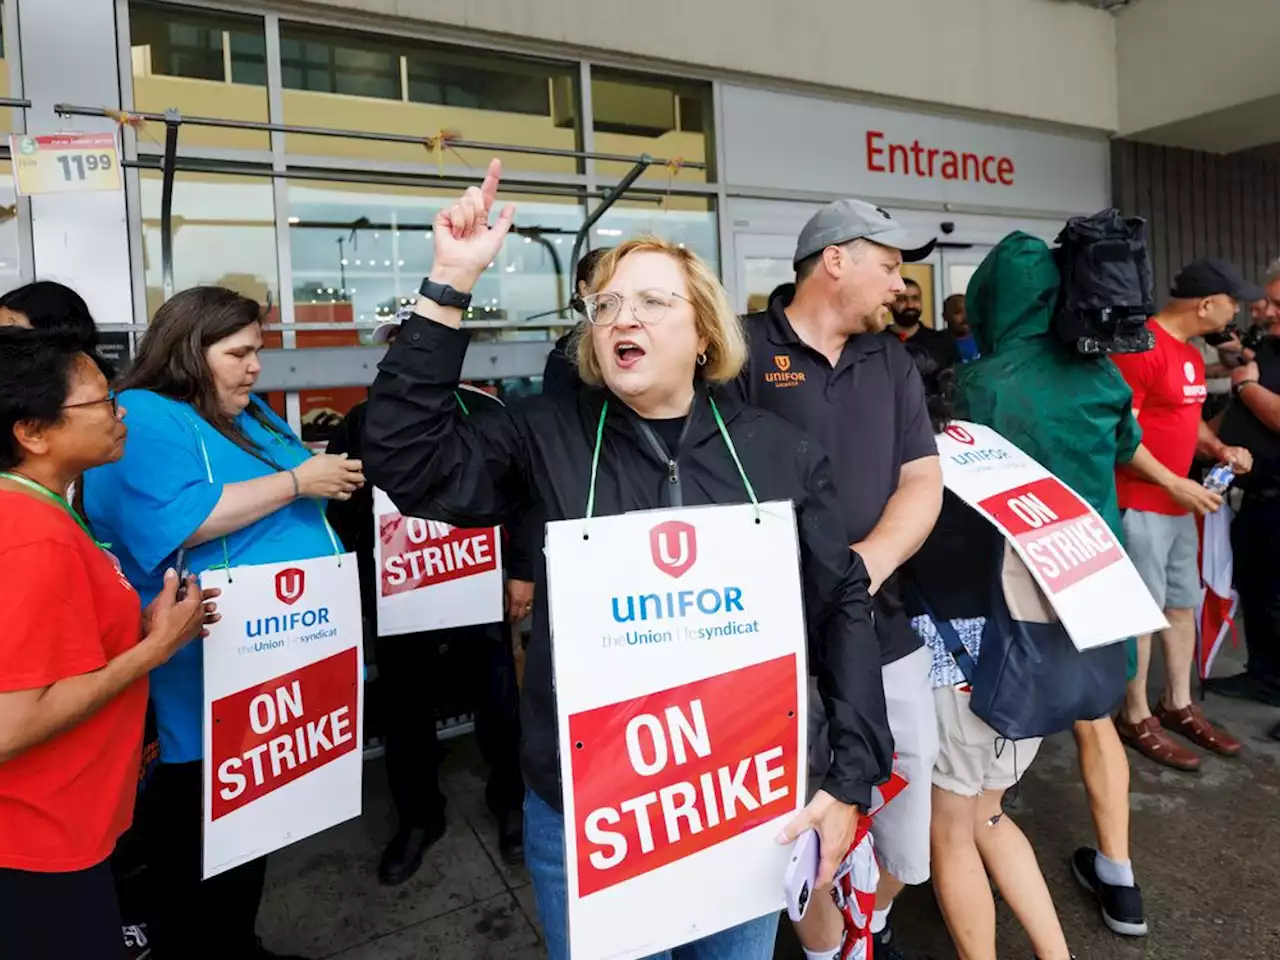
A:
[1072,414]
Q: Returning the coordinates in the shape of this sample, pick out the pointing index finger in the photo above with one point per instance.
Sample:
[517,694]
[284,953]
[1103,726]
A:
[489,189]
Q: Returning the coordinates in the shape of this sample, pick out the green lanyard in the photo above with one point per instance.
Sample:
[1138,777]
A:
[724,432]
[60,501]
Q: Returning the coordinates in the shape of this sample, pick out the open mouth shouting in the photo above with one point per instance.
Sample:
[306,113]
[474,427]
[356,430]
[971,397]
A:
[627,353]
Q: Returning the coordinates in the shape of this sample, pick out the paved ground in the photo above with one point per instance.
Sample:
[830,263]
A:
[1205,846]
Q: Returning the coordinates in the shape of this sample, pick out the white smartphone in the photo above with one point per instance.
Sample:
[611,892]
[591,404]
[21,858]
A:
[801,875]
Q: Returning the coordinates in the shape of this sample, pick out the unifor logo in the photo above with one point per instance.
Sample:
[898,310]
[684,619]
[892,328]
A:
[290,584]
[674,545]
[782,362]
[957,432]
[1189,369]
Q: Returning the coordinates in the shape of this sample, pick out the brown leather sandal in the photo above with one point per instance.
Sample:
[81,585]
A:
[1151,740]
[1191,723]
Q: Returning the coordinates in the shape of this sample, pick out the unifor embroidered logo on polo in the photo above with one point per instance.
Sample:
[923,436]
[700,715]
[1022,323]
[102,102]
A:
[783,376]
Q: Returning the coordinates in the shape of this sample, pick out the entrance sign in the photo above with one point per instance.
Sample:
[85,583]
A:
[860,150]
[678,642]
[283,707]
[65,163]
[1075,558]
[432,576]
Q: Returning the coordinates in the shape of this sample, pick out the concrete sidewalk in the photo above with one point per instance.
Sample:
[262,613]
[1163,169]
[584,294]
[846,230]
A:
[1205,850]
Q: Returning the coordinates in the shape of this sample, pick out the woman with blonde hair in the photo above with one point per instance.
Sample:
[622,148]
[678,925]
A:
[661,339]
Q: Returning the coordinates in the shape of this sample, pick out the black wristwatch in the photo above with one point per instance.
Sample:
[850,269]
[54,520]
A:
[444,295]
[1238,388]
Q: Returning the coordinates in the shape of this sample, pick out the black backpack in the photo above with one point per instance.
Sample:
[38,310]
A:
[1105,298]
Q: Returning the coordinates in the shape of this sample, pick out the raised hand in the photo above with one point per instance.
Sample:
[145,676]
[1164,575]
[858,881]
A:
[465,243]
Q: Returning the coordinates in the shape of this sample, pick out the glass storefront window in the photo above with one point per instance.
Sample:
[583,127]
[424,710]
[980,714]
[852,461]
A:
[360,251]
[685,220]
[635,113]
[207,64]
[223,233]
[6,116]
[10,273]
[354,81]
[763,275]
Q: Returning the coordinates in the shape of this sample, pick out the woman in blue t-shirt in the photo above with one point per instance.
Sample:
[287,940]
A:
[209,468]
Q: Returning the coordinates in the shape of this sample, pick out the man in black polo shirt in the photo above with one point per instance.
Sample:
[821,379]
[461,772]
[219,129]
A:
[819,360]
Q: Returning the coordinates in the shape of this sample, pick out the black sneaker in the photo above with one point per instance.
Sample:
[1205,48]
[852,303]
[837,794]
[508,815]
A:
[883,946]
[136,945]
[1121,906]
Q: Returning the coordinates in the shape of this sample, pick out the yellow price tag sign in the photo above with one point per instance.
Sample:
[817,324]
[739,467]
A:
[65,163]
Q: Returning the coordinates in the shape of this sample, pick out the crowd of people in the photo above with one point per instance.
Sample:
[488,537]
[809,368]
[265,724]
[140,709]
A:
[832,397]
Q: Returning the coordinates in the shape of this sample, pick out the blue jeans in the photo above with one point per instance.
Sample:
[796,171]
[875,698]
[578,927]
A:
[544,856]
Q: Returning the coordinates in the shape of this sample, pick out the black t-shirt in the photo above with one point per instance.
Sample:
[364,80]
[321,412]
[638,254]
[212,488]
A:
[942,346]
[867,413]
[1241,428]
[669,432]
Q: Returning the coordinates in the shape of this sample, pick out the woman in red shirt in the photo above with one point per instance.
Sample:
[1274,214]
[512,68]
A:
[75,651]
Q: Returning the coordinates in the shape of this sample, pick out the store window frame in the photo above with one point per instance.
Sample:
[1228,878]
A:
[18,124]
[587,183]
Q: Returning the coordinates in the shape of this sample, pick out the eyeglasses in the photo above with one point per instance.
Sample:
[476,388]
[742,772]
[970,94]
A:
[110,398]
[647,306]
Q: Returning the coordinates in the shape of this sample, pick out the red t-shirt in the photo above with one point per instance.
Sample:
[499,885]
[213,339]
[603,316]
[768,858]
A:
[1168,392]
[65,610]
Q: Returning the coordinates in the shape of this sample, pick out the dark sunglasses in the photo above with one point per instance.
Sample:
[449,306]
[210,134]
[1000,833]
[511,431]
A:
[109,398]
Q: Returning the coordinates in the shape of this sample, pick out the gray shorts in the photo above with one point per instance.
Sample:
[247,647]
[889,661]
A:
[901,829]
[1166,552]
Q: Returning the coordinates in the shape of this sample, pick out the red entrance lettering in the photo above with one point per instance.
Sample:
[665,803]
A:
[918,160]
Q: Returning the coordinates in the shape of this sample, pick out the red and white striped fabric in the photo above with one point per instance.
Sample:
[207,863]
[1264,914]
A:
[854,889]
[1216,617]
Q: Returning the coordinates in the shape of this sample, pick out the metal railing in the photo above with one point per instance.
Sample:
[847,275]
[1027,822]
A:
[173,121]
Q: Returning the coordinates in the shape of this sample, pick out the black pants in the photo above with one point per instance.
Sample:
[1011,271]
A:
[1255,540]
[193,919]
[60,916]
[413,680]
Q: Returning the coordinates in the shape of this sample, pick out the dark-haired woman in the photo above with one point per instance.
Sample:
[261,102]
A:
[211,469]
[48,305]
[75,650]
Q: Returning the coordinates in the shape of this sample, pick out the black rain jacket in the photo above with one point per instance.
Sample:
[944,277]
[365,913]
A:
[498,463]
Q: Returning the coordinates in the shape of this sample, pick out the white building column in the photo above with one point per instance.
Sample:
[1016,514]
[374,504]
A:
[68,50]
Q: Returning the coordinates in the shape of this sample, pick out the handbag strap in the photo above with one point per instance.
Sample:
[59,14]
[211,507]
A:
[950,637]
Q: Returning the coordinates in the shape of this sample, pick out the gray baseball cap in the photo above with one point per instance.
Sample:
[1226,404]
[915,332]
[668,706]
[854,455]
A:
[846,220]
